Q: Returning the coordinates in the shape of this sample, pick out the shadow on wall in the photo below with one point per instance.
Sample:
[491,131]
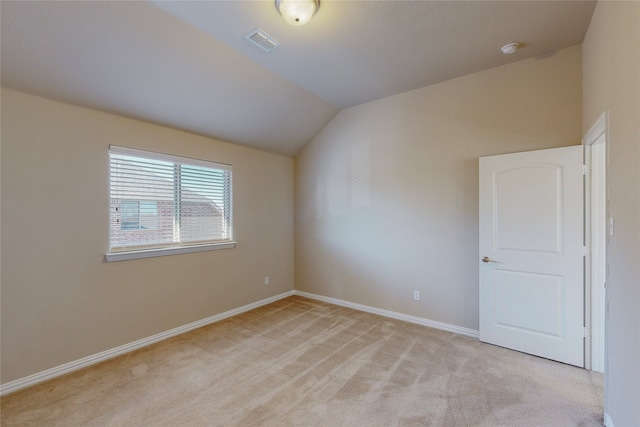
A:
[333,195]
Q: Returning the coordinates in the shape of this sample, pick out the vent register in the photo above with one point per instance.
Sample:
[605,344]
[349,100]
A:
[261,39]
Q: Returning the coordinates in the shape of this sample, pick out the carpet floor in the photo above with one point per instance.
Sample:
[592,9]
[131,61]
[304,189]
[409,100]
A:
[299,362]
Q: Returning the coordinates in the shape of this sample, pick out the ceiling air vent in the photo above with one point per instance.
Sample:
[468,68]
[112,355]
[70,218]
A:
[263,40]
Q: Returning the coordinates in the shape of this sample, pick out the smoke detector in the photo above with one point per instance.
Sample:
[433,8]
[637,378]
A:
[509,49]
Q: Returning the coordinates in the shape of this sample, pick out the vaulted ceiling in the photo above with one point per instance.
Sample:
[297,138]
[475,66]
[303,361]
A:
[186,64]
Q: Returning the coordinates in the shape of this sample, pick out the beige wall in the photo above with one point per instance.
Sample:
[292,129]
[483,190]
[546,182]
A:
[387,194]
[611,66]
[60,300]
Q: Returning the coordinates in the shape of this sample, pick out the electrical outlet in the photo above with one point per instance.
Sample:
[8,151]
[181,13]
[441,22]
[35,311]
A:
[266,280]
[416,295]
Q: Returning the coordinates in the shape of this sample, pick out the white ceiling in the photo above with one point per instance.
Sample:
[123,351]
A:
[185,64]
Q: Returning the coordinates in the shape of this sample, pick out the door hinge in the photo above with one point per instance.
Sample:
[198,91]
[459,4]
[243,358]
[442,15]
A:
[585,170]
[586,332]
[585,251]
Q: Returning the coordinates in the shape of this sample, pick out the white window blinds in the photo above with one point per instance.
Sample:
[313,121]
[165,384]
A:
[163,201]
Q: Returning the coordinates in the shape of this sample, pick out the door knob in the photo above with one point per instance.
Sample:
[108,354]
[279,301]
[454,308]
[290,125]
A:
[486,259]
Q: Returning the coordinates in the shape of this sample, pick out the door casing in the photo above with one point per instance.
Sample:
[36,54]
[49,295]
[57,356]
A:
[596,231]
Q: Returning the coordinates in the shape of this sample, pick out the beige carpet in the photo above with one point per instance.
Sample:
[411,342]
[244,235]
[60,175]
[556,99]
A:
[299,362]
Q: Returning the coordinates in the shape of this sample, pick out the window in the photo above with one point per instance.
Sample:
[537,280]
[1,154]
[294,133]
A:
[138,215]
[162,204]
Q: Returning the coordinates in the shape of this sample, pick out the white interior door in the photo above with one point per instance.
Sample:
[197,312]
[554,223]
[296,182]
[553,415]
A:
[531,233]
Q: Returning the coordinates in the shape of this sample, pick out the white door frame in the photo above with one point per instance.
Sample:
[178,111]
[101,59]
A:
[596,210]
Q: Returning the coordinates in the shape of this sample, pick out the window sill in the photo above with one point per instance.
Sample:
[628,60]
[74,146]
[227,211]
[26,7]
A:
[149,253]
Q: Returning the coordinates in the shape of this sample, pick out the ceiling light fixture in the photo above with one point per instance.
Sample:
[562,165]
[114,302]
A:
[510,48]
[297,12]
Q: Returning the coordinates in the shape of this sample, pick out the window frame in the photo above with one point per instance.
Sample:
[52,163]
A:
[162,249]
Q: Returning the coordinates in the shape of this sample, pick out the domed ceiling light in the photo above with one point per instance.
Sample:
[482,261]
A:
[297,12]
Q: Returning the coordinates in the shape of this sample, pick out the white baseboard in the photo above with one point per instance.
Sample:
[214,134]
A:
[608,422]
[48,374]
[394,315]
[66,368]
